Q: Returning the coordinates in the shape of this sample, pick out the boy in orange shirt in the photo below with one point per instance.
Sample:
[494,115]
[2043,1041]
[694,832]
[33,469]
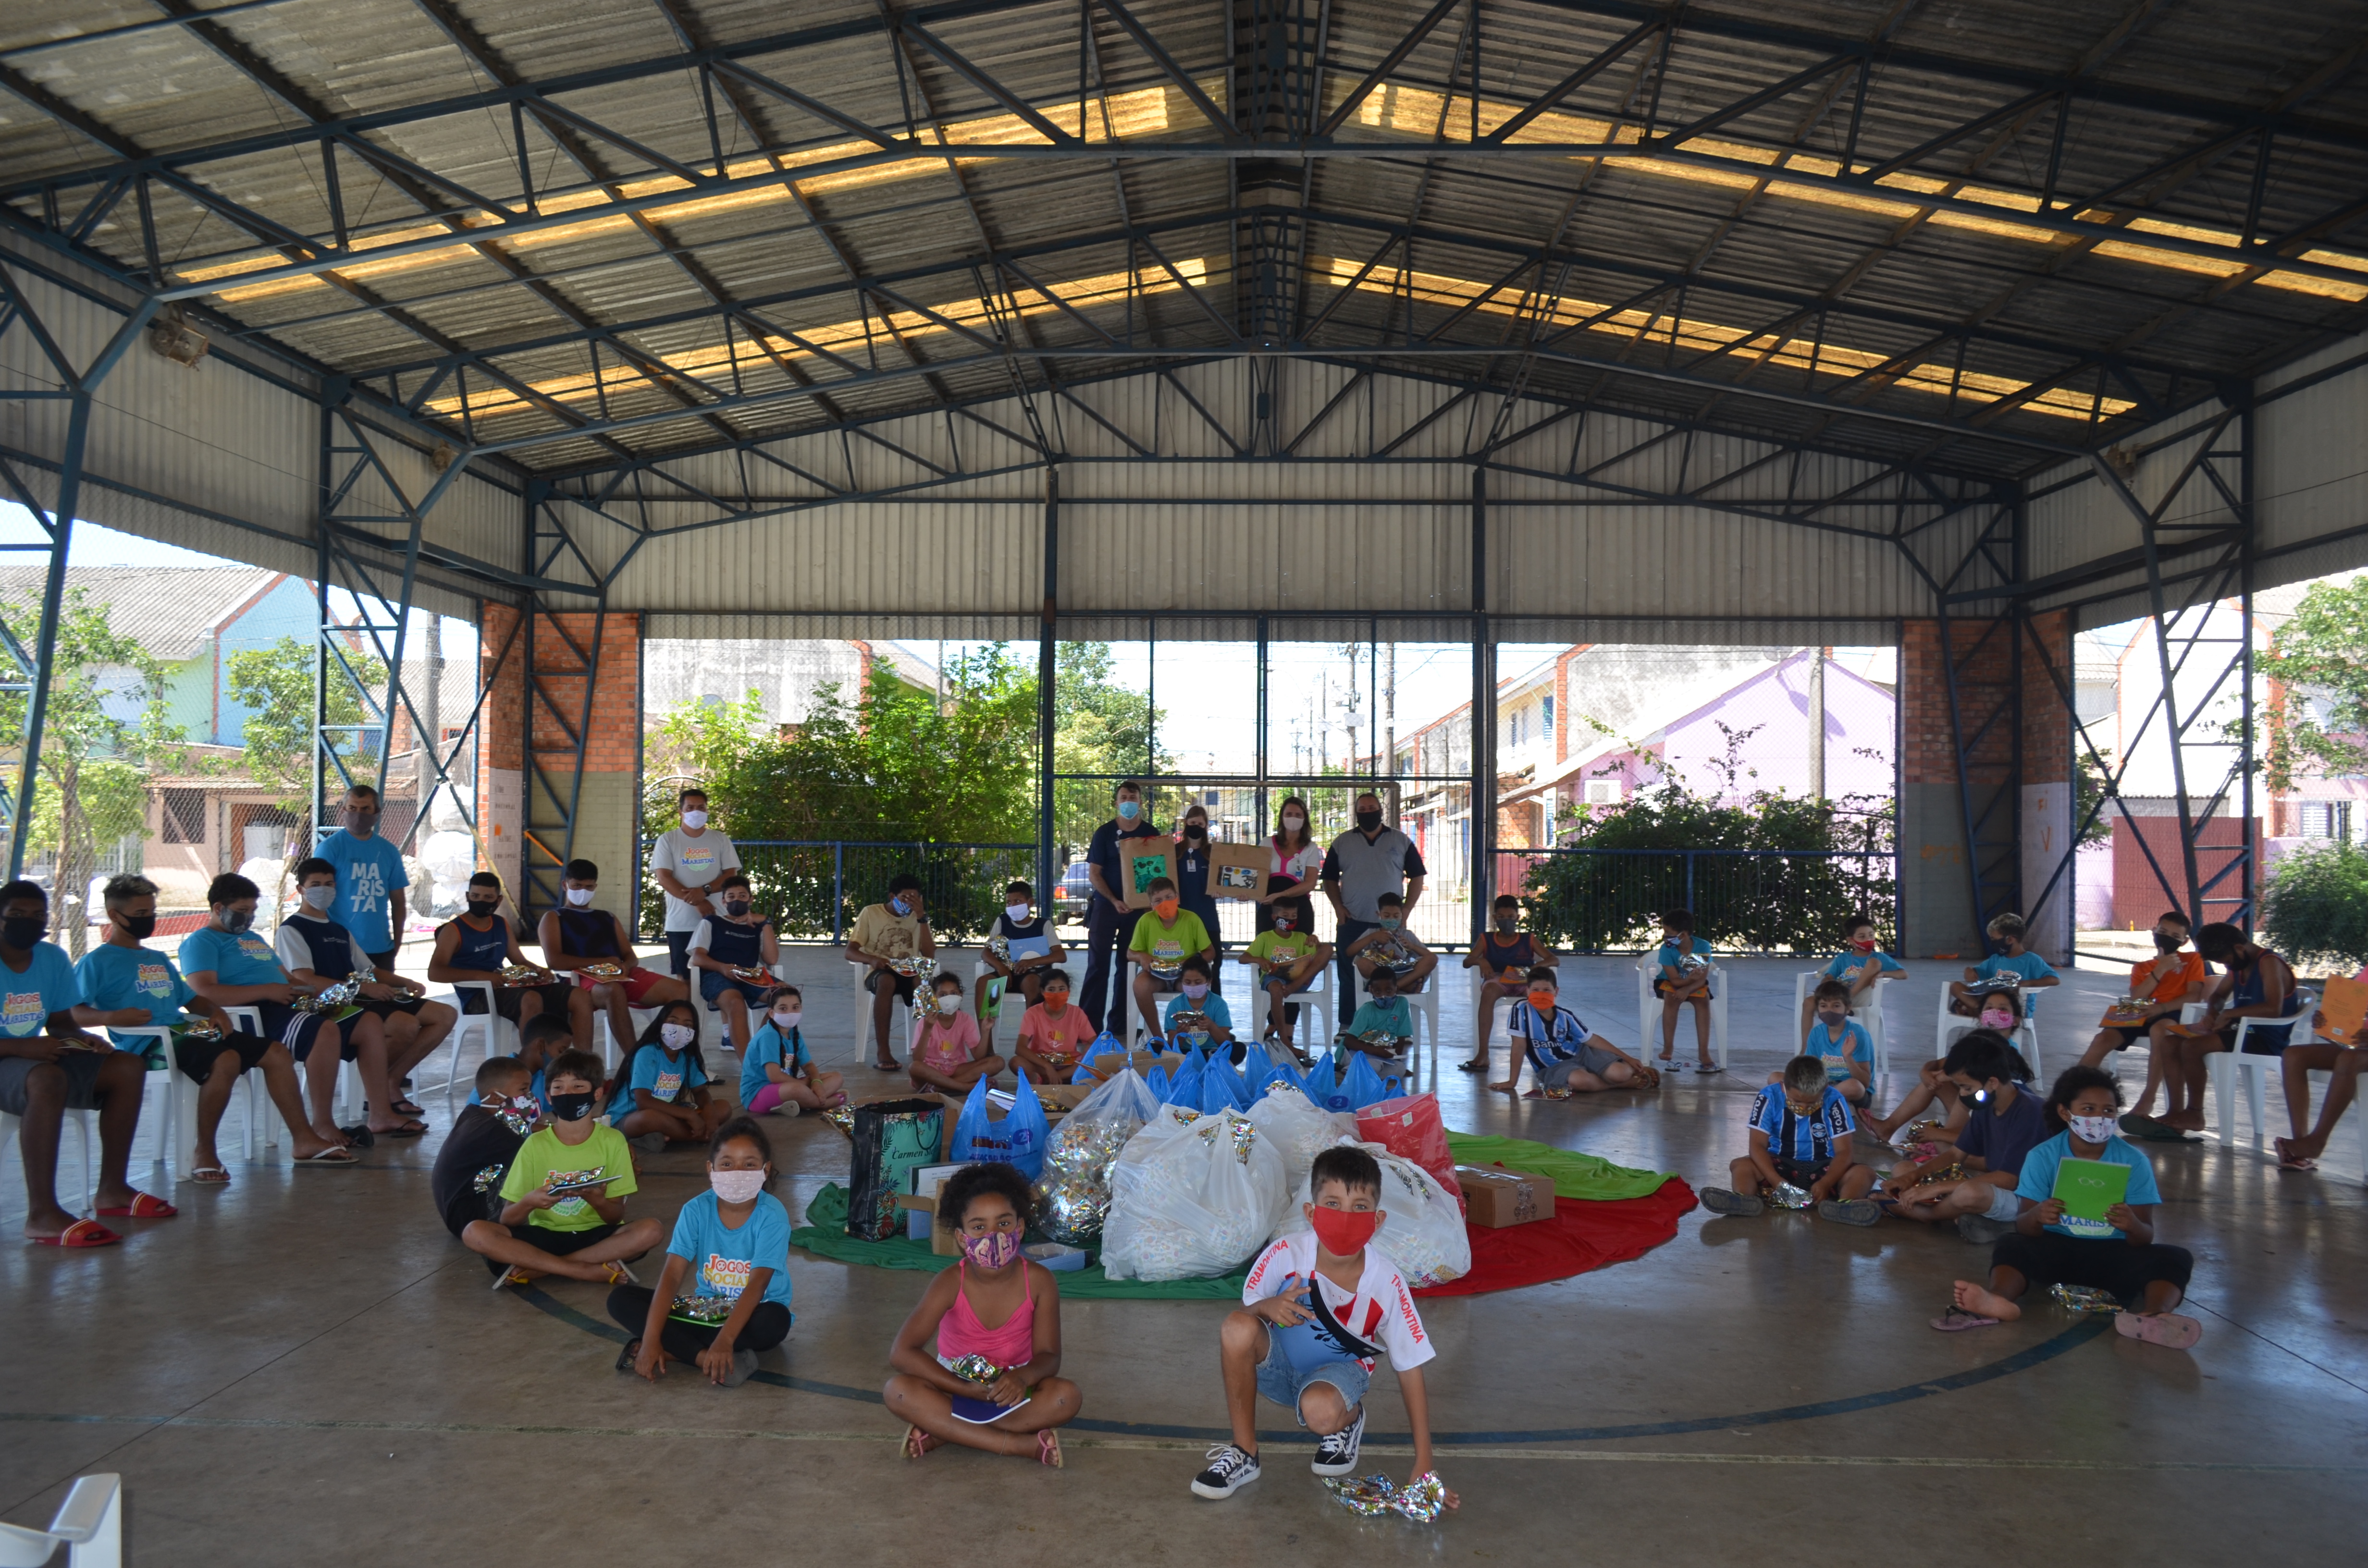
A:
[2168,982]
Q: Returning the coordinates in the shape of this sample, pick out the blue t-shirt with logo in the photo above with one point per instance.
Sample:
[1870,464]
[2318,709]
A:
[1839,1051]
[233,958]
[722,1258]
[46,986]
[2030,966]
[370,873]
[1849,962]
[765,1047]
[665,1073]
[2037,1182]
[1804,1139]
[110,977]
[1211,1006]
[1673,952]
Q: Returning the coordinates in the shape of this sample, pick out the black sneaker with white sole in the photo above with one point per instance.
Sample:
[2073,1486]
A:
[1723,1200]
[1229,1471]
[1336,1454]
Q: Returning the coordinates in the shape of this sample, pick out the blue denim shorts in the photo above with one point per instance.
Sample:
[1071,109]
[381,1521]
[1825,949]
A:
[1283,1381]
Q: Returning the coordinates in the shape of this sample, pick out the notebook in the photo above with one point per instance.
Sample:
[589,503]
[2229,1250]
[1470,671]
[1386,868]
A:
[980,1412]
[2345,1002]
[2088,1188]
[1029,947]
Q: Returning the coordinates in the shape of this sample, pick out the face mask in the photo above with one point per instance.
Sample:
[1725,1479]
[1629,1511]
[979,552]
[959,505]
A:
[579,897]
[1341,1234]
[1998,1018]
[2090,1129]
[994,1250]
[1128,810]
[1196,830]
[1369,821]
[1835,1022]
[1015,913]
[235,919]
[1283,923]
[320,898]
[788,1018]
[1194,991]
[1294,822]
[694,819]
[736,1186]
[901,904]
[482,908]
[1544,1001]
[1388,925]
[571,1108]
[1055,1003]
[950,1004]
[2002,944]
[23,930]
[1507,922]
[526,1105]
[1166,907]
[2163,944]
[1863,944]
[360,824]
[676,1036]
[139,927]
[735,907]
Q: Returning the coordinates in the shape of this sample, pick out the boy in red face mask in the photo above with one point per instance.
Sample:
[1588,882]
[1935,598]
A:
[1319,1306]
[1564,1054]
[1859,965]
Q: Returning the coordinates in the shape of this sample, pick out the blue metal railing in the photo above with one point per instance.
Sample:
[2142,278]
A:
[1591,900]
[814,888]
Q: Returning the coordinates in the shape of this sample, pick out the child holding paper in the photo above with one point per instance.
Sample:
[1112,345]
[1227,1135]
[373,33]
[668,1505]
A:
[997,1390]
[2112,1251]
[2339,1057]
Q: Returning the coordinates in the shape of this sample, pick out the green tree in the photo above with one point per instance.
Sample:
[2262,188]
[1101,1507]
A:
[2321,652]
[2315,905]
[275,684]
[1098,727]
[92,785]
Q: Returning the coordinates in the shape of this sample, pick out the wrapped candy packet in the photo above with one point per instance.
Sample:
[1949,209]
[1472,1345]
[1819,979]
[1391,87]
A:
[1787,1196]
[1372,1496]
[975,1368]
[520,975]
[843,1117]
[2085,1299]
[709,1311]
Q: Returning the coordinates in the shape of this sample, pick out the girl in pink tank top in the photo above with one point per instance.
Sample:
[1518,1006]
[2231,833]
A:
[994,1382]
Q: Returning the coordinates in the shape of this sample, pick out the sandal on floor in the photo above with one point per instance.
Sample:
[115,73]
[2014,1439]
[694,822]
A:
[403,1106]
[2290,1161]
[1479,1066]
[1956,1319]
[2170,1330]
[625,1356]
[143,1206]
[887,1067]
[81,1234]
[357,1136]
[918,1442]
[209,1175]
[328,1157]
[1048,1449]
[406,1129]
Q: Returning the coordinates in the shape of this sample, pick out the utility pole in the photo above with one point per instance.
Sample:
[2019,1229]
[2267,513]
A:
[1818,723]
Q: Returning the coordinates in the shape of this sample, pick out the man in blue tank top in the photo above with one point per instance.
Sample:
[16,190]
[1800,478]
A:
[478,944]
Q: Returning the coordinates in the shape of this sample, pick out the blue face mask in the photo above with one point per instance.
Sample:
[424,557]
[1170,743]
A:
[1128,810]
[1386,923]
[901,904]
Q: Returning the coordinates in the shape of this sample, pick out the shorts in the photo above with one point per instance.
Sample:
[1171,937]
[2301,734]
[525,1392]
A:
[2259,1042]
[2123,1037]
[904,983]
[1556,1074]
[637,982]
[298,1031]
[1283,1380]
[558,1244]
[2004,1207]
[2049,1258]
[197,1058]
[385,959]
[1800,1173]
[1661,988]
[81,1068]
[507,999]
[711,987]
[409,1005]
[679,951]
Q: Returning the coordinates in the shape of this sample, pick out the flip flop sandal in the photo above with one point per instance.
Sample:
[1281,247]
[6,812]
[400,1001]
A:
[405,1107]
[143,1206]
[81,1234]
[407,1130]
[2290,1161]
[357,1136]
[1471,1067]
[2168,1330]
[1048,1449]
[625,1356]
[328,1157]
[1956,1320]
[918,1442]
[209,1175]
[887,1067]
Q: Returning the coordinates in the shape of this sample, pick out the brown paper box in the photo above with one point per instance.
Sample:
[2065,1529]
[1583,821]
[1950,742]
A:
[1238,870]
[941,1239]
[1495,1198]
[1141,862]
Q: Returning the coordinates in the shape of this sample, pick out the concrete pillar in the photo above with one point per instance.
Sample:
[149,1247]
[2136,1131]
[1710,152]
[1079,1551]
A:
[2048,791]
[501,747]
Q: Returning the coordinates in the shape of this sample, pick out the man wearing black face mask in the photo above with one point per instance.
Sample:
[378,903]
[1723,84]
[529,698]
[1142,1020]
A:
[49,1065]
[478,944]
[1193,884]
[726,948]
[126,987]
[1363,864]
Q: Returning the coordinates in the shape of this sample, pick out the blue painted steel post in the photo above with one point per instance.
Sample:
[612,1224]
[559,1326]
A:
[1047,673]
[838,892]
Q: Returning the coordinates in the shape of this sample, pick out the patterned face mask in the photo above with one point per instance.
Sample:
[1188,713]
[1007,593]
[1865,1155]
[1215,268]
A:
[994,1250]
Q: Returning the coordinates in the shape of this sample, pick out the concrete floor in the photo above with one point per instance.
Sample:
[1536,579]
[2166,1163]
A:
[304,1368]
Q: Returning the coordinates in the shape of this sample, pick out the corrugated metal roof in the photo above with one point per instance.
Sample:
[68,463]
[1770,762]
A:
[170,610]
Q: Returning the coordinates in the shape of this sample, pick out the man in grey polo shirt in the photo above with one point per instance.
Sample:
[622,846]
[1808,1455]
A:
[1363,864]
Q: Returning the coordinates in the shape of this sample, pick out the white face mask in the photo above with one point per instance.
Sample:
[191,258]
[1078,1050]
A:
[788,1020]
[2090,1129]
[694,819]
[1018,911]
[676,1036]
[736,1186]
[1294,822]
[579,897]
[950,1003]
[321,898]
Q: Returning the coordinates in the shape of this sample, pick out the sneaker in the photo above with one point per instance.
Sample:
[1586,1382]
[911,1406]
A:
[1720,1200]
[743,1367]
[1336,1454]
[787,1109]
[1851,1211]
[1983,1231]
[1229,1471]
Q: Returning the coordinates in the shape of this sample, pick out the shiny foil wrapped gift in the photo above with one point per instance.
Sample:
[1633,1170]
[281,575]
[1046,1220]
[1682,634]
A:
[914,967]
[605,968]
[974,1369]
[999,949]
[1787,1196]
[1373,1497]
[198,1029]
[709,1310]
[1072,1208]
[342,995]
[2085,1299]
[1168,974]
[843,1117]
[520,975]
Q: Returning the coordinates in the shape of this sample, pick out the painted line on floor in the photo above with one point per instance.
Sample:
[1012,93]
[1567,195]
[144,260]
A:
[1156,1444]
[2078,1333]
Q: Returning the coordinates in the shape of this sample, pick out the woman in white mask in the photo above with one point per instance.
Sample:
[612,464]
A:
[1294,858]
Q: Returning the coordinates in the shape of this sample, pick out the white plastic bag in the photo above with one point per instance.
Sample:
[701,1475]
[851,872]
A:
[1299,1130]
[1422,1225]
[1192,1197]
[1072,1196]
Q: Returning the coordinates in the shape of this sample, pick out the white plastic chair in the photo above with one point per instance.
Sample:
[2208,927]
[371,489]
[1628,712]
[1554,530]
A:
[178,1135]
[494,1029]
[855,975]
[2025,1039]
[88,1523]
[1806,981]
[84,1121]
[2223,1070]
[1316,997]
[1648,1011]
[1422,1010]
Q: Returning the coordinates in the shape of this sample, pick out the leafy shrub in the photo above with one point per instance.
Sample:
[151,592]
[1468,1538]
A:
[2315,907]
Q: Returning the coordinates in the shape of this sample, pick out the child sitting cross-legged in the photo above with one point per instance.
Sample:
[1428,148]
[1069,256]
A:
[2117,1255]
[1841,1042]
[947,1056]
[776,1073]
[1801,1131]
[666,1097]
[564,1199]
[1319,1307]
[2003,1123]
[1053,1034]
[1565,1056]
[730,1246]
[1383,1023]
[995,1305]
[485,1139]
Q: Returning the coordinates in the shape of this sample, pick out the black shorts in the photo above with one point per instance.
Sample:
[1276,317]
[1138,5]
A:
[2259,1042]
[558,1244]
[711,987]
[2123,1037]
[508,997]
[81,1068]
[298,1031]
[904,983]
[198,1058]
[410,1004]
[2050,1258]
[1800,1173]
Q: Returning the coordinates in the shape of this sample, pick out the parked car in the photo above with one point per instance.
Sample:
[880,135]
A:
[1072,895]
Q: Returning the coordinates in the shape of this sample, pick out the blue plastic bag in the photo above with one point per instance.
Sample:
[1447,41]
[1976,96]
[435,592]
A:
[1326,1086]
[1275,1075]
[1221,1088]
[1157,1078]
[1365,1085]
[1018,1139]
[1184,1087]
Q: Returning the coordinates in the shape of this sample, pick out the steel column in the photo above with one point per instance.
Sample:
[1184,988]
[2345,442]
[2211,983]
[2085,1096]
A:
[1048,647]
[1482,874]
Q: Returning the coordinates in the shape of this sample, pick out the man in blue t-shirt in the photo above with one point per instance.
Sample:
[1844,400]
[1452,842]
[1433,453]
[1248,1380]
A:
[125,985]
[48,1065]
[372,880]
[2012,961]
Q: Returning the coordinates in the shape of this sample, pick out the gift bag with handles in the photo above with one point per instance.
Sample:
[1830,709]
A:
[1019,1138]
[1412,1129]
[890,1138]
[1184,1085]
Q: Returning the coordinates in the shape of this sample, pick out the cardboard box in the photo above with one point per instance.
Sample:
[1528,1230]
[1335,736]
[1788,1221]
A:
[1495,1198]
[1238,870]
[1144,861]
[1067,1094]
[942,1240]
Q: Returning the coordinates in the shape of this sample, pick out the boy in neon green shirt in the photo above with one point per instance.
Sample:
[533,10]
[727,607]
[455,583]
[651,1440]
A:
[1286,961]
[564,1196]
[1163,939]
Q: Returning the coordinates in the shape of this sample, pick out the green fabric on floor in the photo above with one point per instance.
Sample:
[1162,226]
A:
[825,1236]
[1575,1174]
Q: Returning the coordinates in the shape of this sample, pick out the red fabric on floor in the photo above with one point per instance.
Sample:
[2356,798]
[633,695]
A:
[1582,1235]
